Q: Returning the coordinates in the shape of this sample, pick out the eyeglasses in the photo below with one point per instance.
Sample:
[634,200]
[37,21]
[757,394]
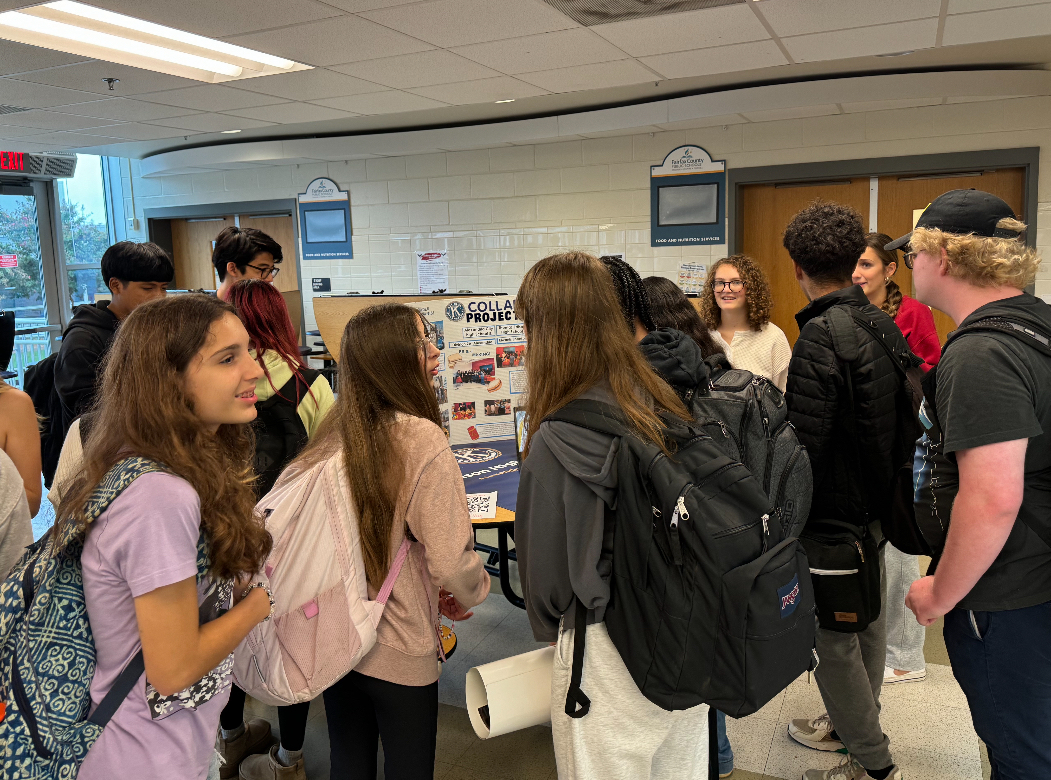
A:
[430,334]
[735,285]
[909,257]
[265,272]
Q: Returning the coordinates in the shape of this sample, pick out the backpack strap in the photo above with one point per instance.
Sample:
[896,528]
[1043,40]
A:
[845,347]
[1034,338]
[595,416]
[577,702]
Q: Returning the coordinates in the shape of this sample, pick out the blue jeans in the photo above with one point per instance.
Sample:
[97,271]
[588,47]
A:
[1002,660]
[726,753]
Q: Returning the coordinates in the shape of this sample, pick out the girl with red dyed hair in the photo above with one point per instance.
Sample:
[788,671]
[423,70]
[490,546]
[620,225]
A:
[292,401]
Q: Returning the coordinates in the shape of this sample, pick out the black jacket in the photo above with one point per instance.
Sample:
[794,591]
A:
[677,359]
[84,343]
[852,476]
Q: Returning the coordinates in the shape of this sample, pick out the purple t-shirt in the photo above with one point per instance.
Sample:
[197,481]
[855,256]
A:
[145,540]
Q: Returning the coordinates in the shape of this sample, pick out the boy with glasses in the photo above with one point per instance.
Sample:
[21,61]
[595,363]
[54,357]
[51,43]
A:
[244,253]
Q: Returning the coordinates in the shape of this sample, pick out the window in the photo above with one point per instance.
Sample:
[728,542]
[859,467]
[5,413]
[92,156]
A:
[691,204]
[86,232]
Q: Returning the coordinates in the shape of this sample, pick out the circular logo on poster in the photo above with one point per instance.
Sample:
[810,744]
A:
[455,311]
[475,455]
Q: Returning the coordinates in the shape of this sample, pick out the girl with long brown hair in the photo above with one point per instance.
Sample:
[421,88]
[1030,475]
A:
[404,482]
[178,389]
[579,347]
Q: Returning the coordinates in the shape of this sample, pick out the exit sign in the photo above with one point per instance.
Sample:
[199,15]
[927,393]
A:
[12,161]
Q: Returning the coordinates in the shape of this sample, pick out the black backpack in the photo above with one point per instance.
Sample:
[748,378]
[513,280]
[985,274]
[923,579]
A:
[710,598]
[279,431]
[39,384]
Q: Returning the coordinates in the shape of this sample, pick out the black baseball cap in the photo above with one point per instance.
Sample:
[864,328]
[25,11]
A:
[963,212]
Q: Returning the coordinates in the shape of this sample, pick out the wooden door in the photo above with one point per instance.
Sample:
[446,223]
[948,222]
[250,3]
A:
[766,211]
[281,229]
[192,248]
[901,196]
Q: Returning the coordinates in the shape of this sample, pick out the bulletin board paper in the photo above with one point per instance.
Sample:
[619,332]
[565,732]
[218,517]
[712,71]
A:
[692,276]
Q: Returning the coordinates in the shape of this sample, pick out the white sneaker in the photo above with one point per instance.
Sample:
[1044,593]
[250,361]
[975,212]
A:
[850,769]
[889,677]
[816,733]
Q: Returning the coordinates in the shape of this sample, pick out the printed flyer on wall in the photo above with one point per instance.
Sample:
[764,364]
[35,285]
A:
[482,370]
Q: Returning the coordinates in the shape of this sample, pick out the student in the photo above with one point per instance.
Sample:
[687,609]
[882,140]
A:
[670,308]
[296,394]
[179,389]
[134,274]
[20,440]
[568,485]
[824,241]
[404,480]
[735,305]
[874,272]
[244,253]
[993,581]
[16,524]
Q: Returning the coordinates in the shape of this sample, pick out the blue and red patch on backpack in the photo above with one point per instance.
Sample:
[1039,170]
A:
[789,596]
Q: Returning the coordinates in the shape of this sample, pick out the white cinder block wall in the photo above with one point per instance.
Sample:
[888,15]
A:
[497,211]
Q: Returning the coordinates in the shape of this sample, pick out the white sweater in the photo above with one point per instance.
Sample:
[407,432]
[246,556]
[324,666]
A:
[764,352]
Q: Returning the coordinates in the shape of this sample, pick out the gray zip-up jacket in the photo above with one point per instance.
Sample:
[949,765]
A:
[562,536]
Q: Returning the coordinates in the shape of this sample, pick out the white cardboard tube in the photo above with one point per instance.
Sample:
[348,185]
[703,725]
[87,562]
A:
[517,691]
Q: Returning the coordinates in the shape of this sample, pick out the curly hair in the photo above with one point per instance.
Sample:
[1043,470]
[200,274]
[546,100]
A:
[983,262]
[756,289]
[826,240]
[876,242]
[144,410]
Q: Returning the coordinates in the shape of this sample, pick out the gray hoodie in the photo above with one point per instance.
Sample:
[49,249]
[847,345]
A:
[562,536]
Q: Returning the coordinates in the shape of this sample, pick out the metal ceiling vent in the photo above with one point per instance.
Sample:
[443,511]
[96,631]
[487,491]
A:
[13,109]
[592,12]
[60,166]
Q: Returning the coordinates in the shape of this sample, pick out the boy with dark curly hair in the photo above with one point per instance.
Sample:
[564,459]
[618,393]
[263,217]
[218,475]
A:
[843,390]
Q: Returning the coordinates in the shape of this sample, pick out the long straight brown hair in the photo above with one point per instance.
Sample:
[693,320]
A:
[142,409]
[380,375]
[576,338]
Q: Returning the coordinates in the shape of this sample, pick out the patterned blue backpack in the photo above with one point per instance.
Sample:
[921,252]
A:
[47,653]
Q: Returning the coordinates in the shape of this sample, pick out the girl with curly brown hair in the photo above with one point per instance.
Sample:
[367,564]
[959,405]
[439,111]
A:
[178,389]
[735,305]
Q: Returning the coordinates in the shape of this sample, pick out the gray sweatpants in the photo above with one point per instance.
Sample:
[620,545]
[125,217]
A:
[850,678]
[905,636]
[624,736]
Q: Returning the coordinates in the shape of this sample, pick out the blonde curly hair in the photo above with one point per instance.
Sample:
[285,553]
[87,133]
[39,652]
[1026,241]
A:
[757,293]
[981,261]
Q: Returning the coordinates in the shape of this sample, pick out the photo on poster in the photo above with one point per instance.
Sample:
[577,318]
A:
[510,357]
[441,391]
[477,372]
[498,408]
[438,334]
[463,410]
[445,421]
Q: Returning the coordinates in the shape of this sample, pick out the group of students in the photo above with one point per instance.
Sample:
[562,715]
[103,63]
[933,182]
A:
[184,378]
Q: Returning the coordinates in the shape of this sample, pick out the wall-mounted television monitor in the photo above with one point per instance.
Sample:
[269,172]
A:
[328,226]
[689,204]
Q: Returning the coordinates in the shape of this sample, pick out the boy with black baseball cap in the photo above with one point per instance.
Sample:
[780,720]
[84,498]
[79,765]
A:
[986,471]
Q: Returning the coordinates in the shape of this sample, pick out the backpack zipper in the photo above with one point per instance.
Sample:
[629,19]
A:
[860,551]
[779,499]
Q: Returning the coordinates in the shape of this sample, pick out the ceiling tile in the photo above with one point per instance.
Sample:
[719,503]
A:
[719,59]
[123,110]
[801,112]
[291,113]
[888,105]
[998,25]
[89,76]
[355,6]
[50,120]
[72,139]
[392,102]
[7,131]
[227,17]
[480,91]
[210,123]
[799,17]
[332,42]
[27,95]
[567,48]
[422,69]
[136,131]
[309,85]
[690,30]
[210,97]
[460,22]
[598,76]
[20,58]
[864,41]
[29,146]
[967,6]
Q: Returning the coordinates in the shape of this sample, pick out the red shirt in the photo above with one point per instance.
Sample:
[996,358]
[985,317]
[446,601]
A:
[917,325]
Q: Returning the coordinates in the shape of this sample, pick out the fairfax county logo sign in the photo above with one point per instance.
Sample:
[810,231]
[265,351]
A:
[322,190]
[687,160]
[473,455]
[455,311]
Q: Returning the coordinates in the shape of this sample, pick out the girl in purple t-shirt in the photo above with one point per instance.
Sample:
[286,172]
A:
[178,388]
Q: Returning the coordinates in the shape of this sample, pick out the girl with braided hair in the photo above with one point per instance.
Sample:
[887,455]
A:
[874,274]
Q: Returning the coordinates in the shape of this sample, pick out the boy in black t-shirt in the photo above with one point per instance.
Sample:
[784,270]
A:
[993,406]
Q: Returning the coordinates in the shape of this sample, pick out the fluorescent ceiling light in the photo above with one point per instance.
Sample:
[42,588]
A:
[512,100]
[229,132]
[99,34]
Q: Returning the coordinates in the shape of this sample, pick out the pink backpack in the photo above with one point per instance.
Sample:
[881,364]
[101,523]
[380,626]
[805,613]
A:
[324,622]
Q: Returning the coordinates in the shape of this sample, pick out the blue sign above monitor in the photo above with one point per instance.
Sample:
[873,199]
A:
[688,199]
[324,220]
